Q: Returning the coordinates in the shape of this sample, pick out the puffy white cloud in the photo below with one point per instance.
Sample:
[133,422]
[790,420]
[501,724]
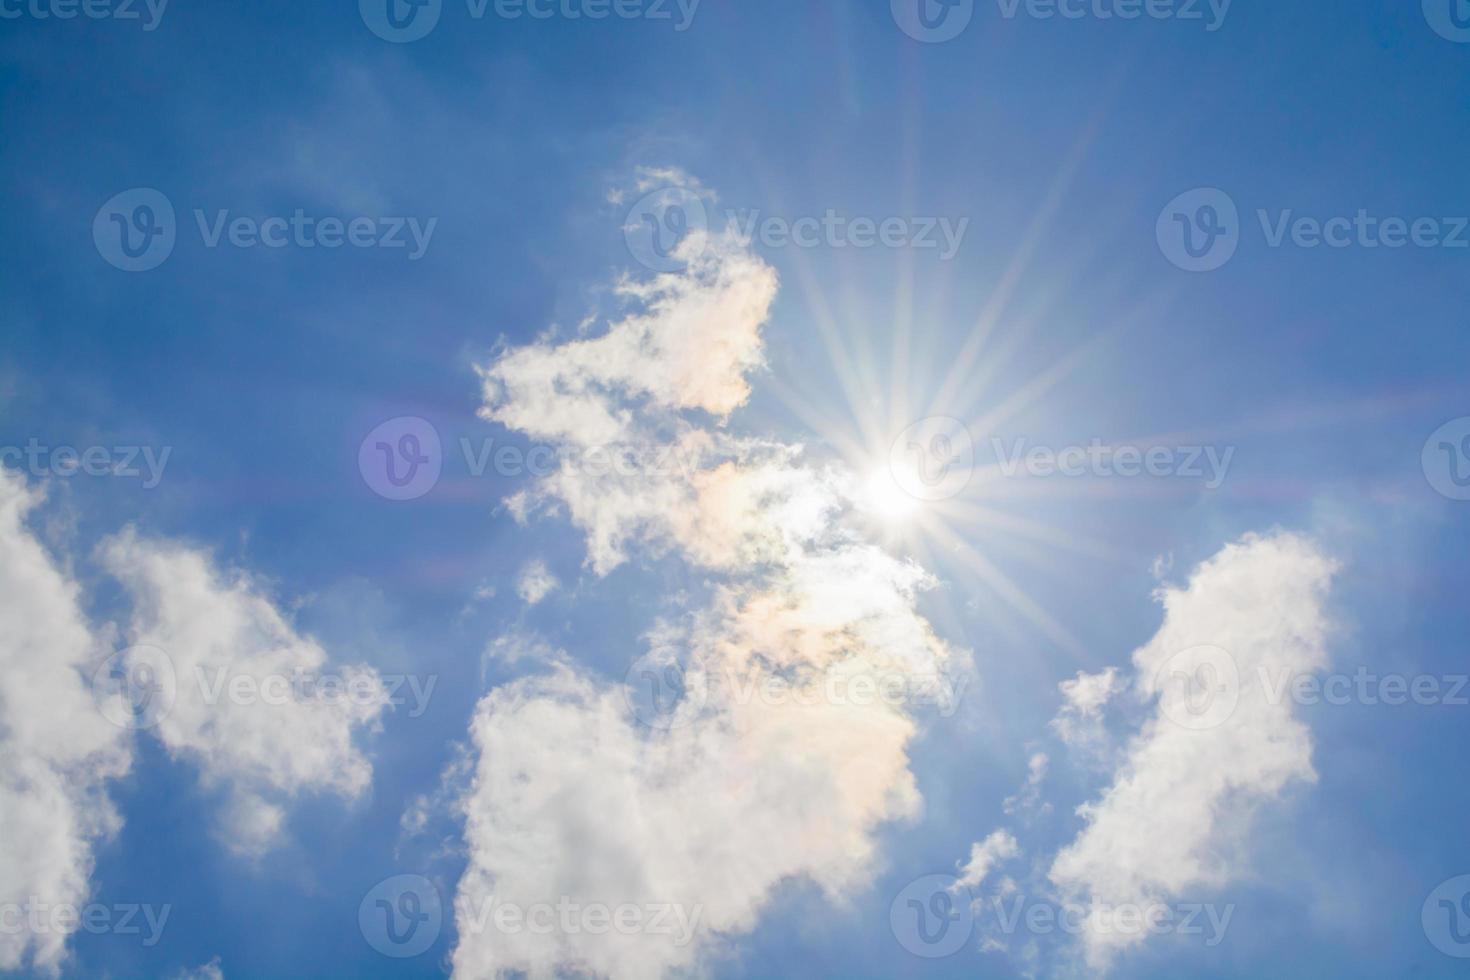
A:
[535,582]
[610,405]
[778,762]
[256,706]
[985,856]
[62,738]
[56,749]
[1175,816]
[689,346]
[573,798]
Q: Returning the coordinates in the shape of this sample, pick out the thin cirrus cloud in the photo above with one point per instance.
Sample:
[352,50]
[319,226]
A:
[572,797]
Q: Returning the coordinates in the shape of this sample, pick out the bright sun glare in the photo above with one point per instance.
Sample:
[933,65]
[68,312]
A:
[886,499]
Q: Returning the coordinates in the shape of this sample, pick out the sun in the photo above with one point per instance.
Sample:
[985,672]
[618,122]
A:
[883,497]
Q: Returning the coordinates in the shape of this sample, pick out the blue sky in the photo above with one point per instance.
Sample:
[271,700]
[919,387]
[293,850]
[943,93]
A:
[1063,317]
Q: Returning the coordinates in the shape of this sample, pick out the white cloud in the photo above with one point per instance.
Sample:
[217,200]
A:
[517,646]
[56,749]
[1079,723]
[688,345]
[535,582]
[209,971]
[1087,693]
[1173,821]
[572,797]
[1030,794]
[985,857]
[655,178]
[415,816]
[290,728]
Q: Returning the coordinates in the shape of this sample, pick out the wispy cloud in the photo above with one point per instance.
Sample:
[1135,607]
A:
[535,582]
[986,856]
